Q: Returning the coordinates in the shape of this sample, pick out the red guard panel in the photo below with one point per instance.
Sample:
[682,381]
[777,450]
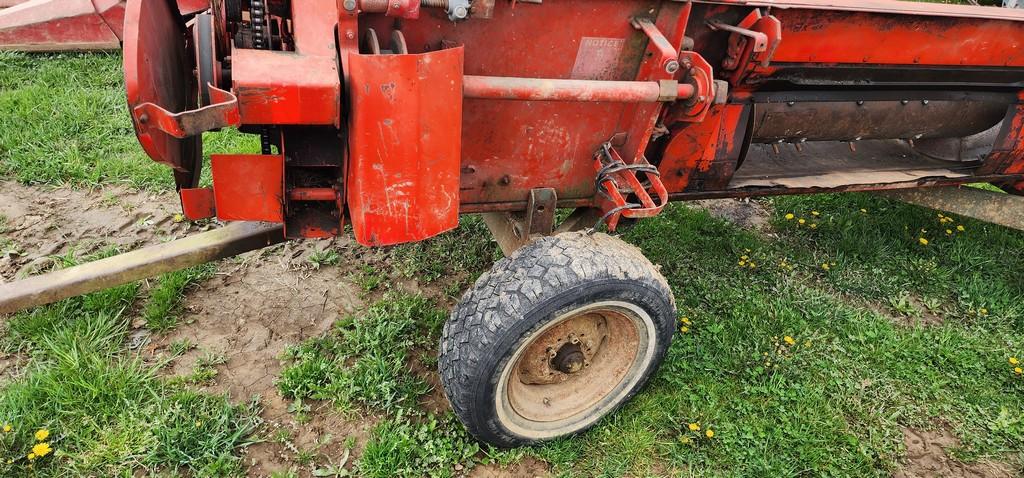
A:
[248,187]
[406,141]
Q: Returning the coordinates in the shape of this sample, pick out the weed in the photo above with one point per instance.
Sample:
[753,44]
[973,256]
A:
[320,258]
[414,446]
[181,347]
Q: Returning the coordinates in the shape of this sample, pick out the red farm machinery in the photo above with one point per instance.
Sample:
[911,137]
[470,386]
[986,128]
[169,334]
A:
[394,117]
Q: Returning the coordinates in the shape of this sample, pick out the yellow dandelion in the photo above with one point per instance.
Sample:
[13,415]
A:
[790,216]
[815,213]
[922,241]
[802,221]
[862,210]
[814,225]
[745,257]
[31,456]
[41,449]
[179,218]
[685,440]
[7,428]
[826,266]
[709,433]
[1018,370]
[1014,361]
[768,364]
[960,228]
[983,311]
[684,329]
[42,434]
[742,263]
[694,427]
[949,232]
[807,344]
[753,265]
[789,340]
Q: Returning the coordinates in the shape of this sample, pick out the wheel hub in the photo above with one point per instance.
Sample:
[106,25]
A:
[569,359]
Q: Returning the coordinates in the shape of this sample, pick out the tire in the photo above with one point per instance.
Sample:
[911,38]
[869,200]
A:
[516,360]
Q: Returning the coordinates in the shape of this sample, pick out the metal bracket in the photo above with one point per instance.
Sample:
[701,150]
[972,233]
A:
[515,230]
[617,180]
[222,112]
[753,42]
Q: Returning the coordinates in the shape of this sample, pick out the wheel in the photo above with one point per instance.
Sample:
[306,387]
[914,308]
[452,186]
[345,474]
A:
[555,337]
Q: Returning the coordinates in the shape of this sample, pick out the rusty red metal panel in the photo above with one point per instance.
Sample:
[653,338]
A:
[283,88]
[405,139]
[248,187]
[846,37]
[885,6]
[198,203]
[57,25]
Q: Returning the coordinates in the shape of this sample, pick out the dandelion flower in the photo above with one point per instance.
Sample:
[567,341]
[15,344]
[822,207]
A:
[694,427]
[753,265]
[685,320]
[179,218]
[742,263]
[960,228]
[790,216]
[865,211]
[923,241]
[826,266]
[949,232]
[815,213]
[685,440]
[1014,361]
[7,428]
[1018,370]
[814,225]
[684,329]
[745,257]
[807,344]
[802,221]
[710,433]
[31,456]
[41,449]
[789,340]
[42,434]
[983,311]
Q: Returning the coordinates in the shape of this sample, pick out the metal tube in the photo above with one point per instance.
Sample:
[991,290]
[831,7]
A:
[227,241]
[313,194]
[989,206]
[538,89]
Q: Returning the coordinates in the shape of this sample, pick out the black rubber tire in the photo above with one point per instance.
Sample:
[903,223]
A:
[524,292]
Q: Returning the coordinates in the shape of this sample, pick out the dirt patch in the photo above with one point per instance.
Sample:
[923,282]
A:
[43,222]
[745,213]
[528,467]
[928,456]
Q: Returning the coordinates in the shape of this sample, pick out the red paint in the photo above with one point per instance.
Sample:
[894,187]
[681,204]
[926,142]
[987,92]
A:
[403,178]
[57,25]
[198,203]
[312,194]
[248,187]
[278,88]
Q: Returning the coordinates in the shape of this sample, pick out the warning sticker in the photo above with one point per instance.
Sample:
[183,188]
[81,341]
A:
[598,58]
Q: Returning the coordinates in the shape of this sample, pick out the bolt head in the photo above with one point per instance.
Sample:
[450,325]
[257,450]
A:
[671,66]
[351,35]
[460,12]
[350,5]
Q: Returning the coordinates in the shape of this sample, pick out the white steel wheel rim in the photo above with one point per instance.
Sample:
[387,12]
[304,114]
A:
[518,409]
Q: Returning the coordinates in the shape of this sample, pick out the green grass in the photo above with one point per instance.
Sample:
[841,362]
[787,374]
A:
[108,413]
[165,298]
[362,361]
[65,121]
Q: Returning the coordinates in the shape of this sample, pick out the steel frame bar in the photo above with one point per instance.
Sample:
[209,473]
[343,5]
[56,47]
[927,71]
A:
[989,206]
[227,241]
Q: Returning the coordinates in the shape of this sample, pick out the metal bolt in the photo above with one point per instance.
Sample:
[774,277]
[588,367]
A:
[547,401]
[702,98]
[904,102]
[350,5]
[351,35]
[460,12]
[505,180]
[396,5]
[671,66]
[924,102]
[790,103]
[860,103]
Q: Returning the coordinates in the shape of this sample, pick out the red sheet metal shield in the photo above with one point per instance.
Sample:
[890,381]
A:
[158,69]
[406,141]
[248,187]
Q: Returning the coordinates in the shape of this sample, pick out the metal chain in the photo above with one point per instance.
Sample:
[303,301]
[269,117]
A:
[258,17]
